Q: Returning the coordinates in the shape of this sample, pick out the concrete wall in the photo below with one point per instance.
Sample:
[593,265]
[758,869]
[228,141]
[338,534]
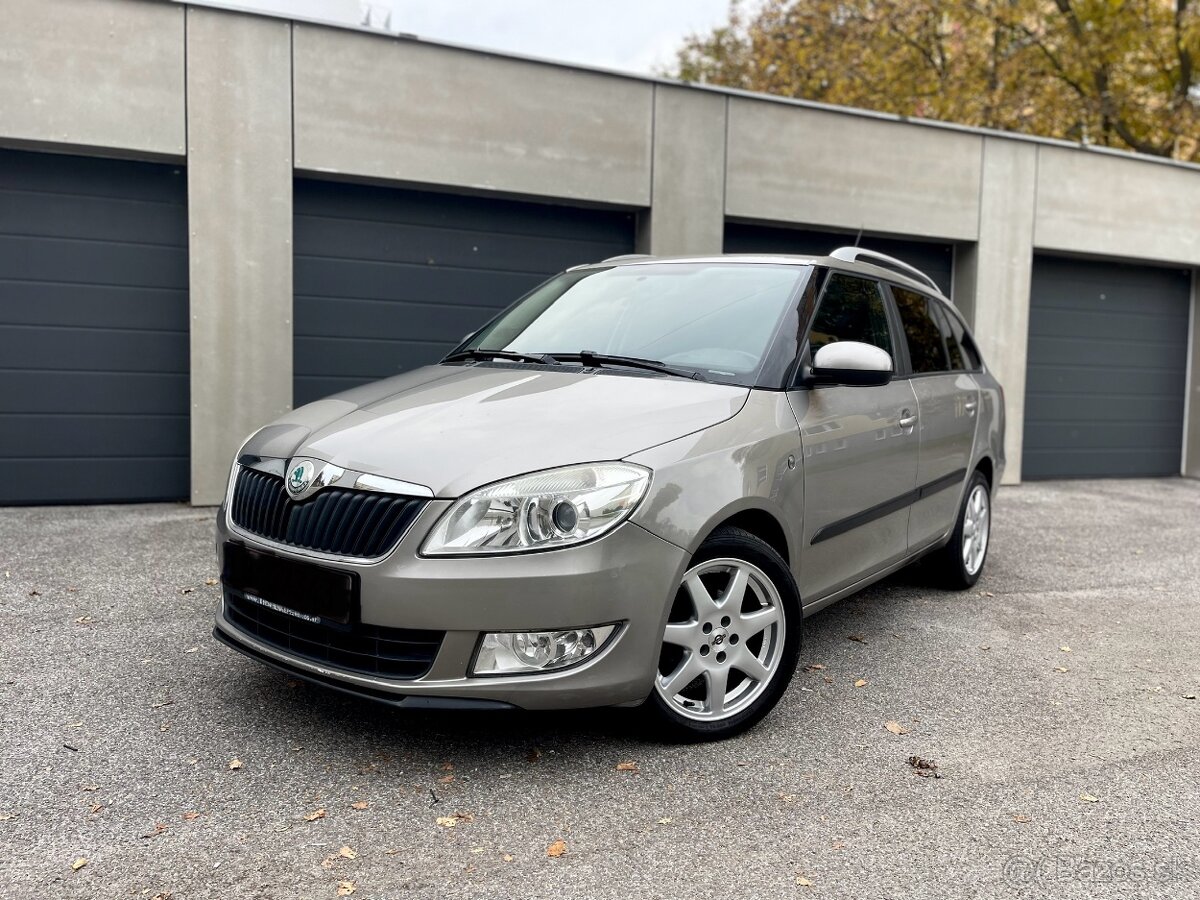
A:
[790,164]
[405,111]
[249,100]
[103,74]
[1119,206]
[687,198]
[239,108]
[995,276]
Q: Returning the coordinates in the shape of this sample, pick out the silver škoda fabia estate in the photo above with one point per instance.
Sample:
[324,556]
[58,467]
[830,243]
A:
[627,489]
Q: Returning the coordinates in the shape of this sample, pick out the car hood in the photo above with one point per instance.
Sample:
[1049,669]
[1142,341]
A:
[454,428]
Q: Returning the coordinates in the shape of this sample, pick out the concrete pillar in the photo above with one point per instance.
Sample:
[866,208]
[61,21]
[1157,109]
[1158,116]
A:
[993,278]
[239,165]
[687,189]
[1191,414]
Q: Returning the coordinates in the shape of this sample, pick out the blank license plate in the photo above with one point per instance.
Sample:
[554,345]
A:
[315,592]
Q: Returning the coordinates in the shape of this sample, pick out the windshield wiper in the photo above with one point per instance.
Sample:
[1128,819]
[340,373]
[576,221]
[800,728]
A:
[599,360]
[498,354]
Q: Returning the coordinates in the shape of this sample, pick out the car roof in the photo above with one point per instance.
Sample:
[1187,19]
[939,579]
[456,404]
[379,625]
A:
[837,260]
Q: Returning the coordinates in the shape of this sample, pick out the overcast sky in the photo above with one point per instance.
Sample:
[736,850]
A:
[631,35]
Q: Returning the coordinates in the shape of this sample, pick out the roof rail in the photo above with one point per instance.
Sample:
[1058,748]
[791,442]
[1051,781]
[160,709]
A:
[627,256]
[854,254]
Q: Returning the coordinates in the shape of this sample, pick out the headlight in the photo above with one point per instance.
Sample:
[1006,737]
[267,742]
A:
[548,509]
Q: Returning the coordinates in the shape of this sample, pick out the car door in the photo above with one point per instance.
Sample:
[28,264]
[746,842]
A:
[947,408]
[859,449]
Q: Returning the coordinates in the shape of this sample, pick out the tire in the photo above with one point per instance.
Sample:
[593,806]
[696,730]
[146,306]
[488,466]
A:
[750,650]
[957,566]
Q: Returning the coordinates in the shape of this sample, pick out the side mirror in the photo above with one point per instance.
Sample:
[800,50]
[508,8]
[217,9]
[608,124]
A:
[851,362]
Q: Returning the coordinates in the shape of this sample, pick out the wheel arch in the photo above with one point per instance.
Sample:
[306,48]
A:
[762,523]
[987,468]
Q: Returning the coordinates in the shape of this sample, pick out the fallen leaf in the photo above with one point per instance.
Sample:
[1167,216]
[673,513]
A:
[165,895]
[828,680]
[209,582]
[159,828]
[802,881]
[837,845]
[192,650]
[314,815]
[627,767]
[189,816]
[895,728]
[73,725]
[95,808]
[446,779]
[857,638]
[345,888]
[447,767]
[985,646]
[664,821]
[452,821]
[508,857]
[1061,669]
[5,816]
[91,787]
[926,768]
[862,682]
[235,764]
[84,620]
[1065,649]
[788,798]
[814,667]
[557,849]
[79,863]
[1088,798]
[988,594]
[348,853]
[533,755]
[1022,819]
[359,804]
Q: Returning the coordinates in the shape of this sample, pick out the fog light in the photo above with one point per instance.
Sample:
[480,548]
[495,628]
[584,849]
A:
[514,652]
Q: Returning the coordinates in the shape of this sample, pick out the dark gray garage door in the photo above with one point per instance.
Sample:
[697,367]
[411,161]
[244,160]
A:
[387,279]
[93,330]
[1107,363]
[935,259]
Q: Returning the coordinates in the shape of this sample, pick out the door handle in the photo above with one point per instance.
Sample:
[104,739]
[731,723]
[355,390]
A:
[970,406]
[907,420]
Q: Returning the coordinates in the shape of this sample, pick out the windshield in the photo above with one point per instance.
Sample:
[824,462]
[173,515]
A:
[717,319]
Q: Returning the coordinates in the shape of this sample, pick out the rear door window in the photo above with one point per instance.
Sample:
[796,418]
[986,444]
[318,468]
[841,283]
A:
[926,349]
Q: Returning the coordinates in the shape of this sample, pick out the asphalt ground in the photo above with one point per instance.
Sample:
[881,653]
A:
[1057,701]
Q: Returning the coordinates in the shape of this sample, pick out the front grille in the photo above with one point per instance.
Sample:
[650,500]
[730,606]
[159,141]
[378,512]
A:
[366,649]
[334,520]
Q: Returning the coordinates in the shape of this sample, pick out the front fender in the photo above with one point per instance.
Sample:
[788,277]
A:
[748,462]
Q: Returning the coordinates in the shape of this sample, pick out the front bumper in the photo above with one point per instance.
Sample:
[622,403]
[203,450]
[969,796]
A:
[627,576]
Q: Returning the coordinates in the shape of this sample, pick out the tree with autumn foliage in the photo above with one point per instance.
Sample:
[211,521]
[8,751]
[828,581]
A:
[1119,74]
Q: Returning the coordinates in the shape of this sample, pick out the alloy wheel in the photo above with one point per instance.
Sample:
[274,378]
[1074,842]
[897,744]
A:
[723,642]
[976,525]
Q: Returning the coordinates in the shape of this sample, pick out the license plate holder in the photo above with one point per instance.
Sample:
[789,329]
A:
[303,589]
